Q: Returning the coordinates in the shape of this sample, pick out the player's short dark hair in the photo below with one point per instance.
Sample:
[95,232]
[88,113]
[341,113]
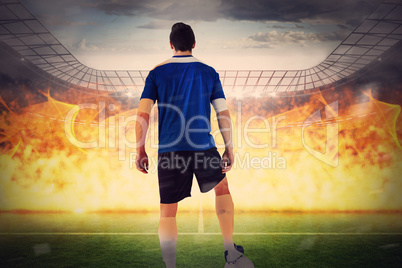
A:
[182,37]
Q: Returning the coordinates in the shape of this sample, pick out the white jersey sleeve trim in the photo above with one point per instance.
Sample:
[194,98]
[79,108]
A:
[219,105]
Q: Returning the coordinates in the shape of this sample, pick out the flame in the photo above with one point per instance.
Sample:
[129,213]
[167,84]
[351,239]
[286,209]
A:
[318,155]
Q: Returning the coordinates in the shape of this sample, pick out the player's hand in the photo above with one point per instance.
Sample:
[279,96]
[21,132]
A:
[142,162]
[227,160]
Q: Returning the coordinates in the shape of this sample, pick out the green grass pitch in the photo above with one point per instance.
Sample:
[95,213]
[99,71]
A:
[270,240]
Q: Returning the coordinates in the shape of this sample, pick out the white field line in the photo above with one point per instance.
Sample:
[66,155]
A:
[145,234]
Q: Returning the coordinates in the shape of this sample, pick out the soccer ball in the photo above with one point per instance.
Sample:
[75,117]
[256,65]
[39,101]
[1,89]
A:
[242,262]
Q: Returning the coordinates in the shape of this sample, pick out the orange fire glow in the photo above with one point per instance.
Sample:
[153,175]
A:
[43,167]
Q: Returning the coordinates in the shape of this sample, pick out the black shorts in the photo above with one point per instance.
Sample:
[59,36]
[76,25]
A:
[176,169]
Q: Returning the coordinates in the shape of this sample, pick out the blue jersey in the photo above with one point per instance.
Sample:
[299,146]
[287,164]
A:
[184,89]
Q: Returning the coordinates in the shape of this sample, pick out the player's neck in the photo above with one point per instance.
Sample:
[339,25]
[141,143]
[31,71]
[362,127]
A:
[182,53]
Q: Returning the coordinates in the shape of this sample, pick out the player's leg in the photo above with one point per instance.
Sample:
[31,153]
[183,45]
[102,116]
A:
[209,176]
[168,233]
[225,211]
[208,171]
[175,181]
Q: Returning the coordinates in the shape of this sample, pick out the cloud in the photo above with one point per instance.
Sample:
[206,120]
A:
[348,12]
[158,24]
[83,45]
[203,10]
[62,21]
[123,7]
[343,27]
[287,26]
[194,10]
[343,12]
[273,38]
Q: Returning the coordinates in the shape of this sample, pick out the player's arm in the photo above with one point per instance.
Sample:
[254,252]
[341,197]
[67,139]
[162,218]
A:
[141,128]
[225,127]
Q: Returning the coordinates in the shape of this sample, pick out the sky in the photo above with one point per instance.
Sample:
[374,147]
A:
[230,34]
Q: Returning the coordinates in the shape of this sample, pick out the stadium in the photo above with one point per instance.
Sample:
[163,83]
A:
[320,146]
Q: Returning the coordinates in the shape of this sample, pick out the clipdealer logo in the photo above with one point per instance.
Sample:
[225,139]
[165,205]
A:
[270,161]
[330,155]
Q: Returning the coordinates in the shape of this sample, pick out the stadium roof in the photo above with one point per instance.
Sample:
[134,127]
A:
[24,34]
